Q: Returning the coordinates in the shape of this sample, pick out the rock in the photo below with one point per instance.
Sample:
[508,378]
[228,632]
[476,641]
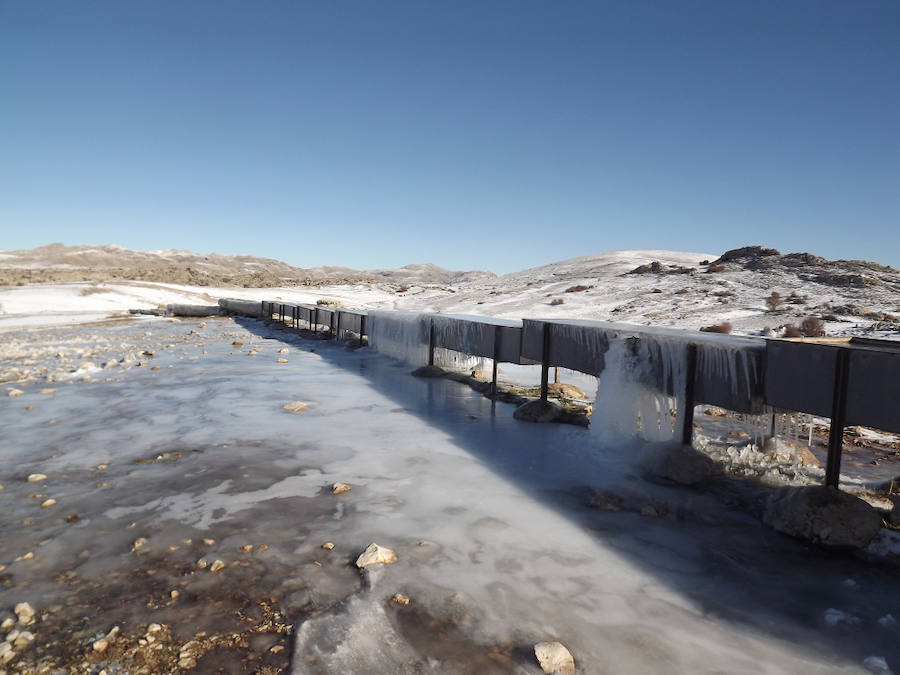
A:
[678,463]
[25,613]
[48,391]
[563,390]
[376,555]
[246,548]
[174,594]
[477,374]
[284,350]
[113,633]
[340,488]
[253,352]
[805,456]
[217,566]
[237,343]
[23,639]
[36,478]
[187,662]
[154,628]
[6,653]
[100,645]
[822,515]
[209,542]
[328,546]
[428,371]
[47,503]
[8,623]
[538,411]
[400,599]
[713,411]
[295,406]
[282,361]
[554,657]
[138,544]
[202,564]
[15,393]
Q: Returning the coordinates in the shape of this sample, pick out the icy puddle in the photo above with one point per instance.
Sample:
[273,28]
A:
[190,510]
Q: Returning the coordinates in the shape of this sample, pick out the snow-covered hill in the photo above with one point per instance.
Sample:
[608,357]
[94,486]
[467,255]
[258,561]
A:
[651,287]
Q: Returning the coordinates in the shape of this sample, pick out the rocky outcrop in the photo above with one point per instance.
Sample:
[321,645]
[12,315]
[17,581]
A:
[822,515]
[678,463]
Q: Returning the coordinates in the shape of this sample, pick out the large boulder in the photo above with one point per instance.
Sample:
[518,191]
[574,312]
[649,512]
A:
[678,463]
[822,515]
[538,411]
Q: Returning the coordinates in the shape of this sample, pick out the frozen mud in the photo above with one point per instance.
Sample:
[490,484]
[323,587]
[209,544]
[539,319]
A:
[191,511]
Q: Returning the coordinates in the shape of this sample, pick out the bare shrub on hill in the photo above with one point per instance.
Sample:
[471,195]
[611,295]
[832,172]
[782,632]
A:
[723,327]
[813,327]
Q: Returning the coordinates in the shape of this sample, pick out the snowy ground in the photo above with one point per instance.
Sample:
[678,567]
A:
[189,456]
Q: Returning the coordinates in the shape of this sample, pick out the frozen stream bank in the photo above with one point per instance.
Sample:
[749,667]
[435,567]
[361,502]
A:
[153,471]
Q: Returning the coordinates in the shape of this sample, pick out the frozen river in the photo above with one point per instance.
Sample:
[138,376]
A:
[157,474]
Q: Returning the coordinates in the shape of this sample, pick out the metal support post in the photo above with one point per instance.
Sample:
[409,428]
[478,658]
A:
[838,416]
[545,360]
[497,337]
[431,342]
[687,416]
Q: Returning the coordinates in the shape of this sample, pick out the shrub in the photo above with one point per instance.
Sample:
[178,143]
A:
[402,288]
[715,268]
[813,327]
[556,301]
[724,294]
[796,299]
[723,327]
[577,289]
[682,291]
[791,331]
[773,301]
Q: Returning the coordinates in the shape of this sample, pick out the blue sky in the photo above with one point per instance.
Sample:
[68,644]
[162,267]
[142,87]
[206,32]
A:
[489,134]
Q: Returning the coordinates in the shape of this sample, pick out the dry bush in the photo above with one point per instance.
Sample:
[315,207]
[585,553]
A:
[813,327]
[791,331]
[556,301]
[773,301]
[577,289]
[682,291]
[724,294]
[715,268]
[796,299]
[723,327]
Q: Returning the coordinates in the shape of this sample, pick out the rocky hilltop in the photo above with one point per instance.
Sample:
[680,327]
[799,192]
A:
[56,263]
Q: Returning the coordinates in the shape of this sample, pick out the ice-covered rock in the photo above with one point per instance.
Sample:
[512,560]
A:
[822,515]
[36,477]
[14,393]
[295,406]
[678,463]
[376,555]
[340,488]
[564,390]
[554,657]
[428,371]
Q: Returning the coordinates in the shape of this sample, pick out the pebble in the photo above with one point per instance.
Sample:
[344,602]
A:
[209,542]
[295,406]
[100,645]
[202,564]
[262,547]
[154,628]
[138,544]
[340,488]
[328,546]
[217,566]
[25,613]
[47,503]
[376,555]
[284,350]
[8,623]
[29,407]
[174,594]
[246,548]
[283,361]
[400,599]
[14,393]
[36,477]
[554,657]
[27,556]
[48,391]
[23,639]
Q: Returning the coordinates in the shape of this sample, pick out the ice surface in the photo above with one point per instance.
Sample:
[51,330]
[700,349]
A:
[487,515]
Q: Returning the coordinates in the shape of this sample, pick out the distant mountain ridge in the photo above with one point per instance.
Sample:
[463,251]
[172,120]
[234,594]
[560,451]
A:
[59,263]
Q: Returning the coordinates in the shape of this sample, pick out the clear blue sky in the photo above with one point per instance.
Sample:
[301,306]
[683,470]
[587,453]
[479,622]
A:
[483,134]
